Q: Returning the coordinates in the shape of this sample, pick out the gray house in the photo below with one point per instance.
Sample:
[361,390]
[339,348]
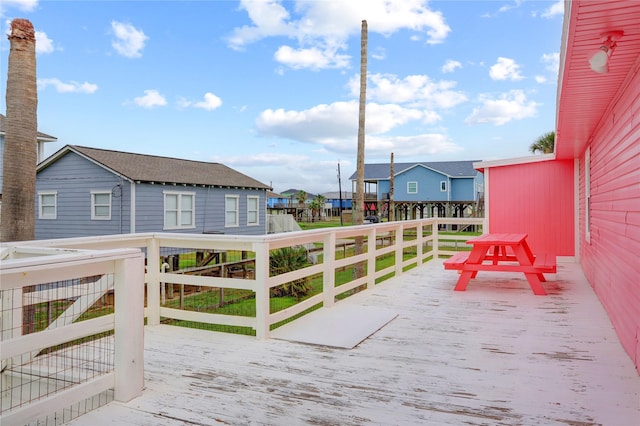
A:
[423,189]
[84,191]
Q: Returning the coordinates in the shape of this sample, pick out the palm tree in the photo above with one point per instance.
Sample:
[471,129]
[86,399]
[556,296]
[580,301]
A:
[544,143]
[20,148]
[301,196]
[289,259]
[358,217]
[317,205]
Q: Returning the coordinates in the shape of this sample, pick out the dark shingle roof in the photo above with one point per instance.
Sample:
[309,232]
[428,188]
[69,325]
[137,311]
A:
[449,168]
[150,168]
[41,136]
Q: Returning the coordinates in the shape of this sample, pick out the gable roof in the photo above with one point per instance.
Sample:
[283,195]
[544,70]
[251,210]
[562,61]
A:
[453,169]
[151,168]
[42,137]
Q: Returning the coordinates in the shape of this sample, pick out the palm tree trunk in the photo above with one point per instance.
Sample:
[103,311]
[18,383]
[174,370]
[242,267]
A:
[359,202]
[20,148]
[359,207]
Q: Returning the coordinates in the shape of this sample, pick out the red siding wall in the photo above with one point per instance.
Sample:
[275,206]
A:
[536,198]
[611,260]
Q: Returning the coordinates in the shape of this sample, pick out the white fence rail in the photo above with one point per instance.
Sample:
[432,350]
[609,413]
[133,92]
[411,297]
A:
[41,371]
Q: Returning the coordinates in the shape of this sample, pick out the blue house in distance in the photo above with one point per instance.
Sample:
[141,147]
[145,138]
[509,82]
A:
[82,191]
[423,189]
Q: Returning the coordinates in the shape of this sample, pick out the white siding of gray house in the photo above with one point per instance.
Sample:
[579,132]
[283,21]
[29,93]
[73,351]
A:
[73,178]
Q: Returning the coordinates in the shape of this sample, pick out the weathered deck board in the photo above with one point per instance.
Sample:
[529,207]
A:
[493,355]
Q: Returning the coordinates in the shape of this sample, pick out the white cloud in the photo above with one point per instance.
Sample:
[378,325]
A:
[269,19]
[409,146]
[322,27]
[379,53]
[413,90]
[313,58]
[507,107]
[540,79]
[505,69]
[70,87]
[319,176]
[556,9]
[209,103]
[23,5]
[335,125]
[281,169]
[507,7]
[43,43]
[263,159]
[129,40]
[450,66]
[334,128]
[552,61]
[152,98]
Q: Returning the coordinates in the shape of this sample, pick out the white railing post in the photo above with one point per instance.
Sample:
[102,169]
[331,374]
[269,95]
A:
[129,327]
[153,281]
[434,241]
[399,244]
[329,274]
[419,243]
[371,257]
[262,290]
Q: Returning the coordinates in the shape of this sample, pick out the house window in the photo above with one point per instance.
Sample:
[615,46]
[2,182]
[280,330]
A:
[100,205]
[443,186]
[587,195]
[47,205]
[412,187]
[231,203]
[253,210]
[179,210]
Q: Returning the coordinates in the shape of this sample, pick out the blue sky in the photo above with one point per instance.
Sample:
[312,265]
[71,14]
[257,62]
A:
[270,88]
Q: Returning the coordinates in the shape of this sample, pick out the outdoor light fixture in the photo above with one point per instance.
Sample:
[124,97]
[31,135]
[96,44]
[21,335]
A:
[600,60]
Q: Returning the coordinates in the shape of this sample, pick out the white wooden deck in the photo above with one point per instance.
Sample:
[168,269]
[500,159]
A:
[493,355]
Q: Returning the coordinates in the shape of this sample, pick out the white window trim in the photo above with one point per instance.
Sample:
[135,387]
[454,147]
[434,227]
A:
[257,198]
[43,216]
[93,204]
[226,210]
[587,195]
[179,210]
[443,184]
[409,191]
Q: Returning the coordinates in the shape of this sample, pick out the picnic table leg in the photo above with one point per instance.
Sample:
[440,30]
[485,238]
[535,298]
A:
[463,280]
[535,284]
[476,256]
[525,257]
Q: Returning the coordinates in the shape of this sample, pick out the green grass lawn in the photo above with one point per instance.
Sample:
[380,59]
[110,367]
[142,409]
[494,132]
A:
[330,223]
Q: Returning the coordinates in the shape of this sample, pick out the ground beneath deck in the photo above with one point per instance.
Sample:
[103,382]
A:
[493,355]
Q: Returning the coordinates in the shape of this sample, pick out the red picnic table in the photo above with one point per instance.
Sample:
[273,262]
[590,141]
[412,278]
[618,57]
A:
[502,252]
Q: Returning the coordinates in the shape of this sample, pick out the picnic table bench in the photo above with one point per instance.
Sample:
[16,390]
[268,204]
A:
[503,253]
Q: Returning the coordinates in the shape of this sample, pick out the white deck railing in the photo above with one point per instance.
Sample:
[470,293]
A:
[41,372]
[405,244]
